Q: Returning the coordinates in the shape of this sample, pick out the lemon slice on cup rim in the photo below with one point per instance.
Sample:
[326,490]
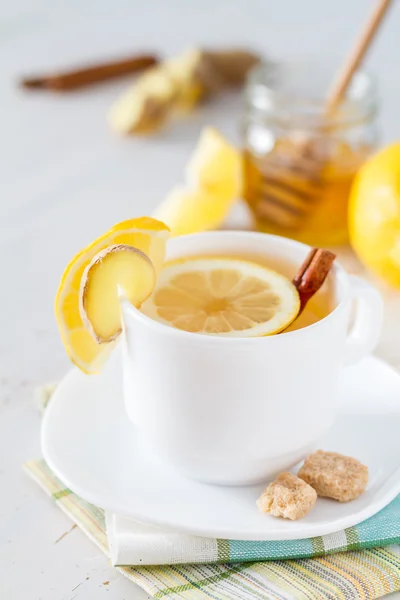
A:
[146,235]
[223,297]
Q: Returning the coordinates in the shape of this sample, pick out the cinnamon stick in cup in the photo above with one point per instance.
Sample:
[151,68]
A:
[312,274]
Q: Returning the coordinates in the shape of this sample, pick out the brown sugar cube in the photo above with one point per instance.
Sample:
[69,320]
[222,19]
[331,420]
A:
[288,497]
[333,475]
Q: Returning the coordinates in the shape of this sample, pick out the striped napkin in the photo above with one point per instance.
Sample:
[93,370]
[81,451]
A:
[353,575]
[132,543]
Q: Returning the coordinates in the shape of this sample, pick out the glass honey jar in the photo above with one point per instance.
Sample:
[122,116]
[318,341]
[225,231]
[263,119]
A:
[299,161]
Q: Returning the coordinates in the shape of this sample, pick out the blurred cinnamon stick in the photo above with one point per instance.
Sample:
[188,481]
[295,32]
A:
[77,78]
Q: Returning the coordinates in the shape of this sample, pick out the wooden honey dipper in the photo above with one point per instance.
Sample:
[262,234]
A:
[291,187]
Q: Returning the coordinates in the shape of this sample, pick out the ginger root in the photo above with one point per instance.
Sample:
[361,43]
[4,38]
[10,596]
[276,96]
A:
[180,82]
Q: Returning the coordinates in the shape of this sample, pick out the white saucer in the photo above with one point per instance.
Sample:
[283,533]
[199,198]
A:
[91,445]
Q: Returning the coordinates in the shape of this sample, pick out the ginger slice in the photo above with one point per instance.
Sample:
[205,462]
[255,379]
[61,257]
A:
[146,105]
[233,64]
[118,269]
[179,82]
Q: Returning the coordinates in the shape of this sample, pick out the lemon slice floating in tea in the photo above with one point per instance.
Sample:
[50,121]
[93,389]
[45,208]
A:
[223,296]
[145,234]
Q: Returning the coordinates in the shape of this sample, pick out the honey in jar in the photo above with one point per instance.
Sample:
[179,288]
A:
[299,163]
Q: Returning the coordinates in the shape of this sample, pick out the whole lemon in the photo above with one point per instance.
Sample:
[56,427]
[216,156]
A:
[374,214]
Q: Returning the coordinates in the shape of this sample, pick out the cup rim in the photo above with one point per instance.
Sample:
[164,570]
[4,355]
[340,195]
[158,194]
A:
[337,269]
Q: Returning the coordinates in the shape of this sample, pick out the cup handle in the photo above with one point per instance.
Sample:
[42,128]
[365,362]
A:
[368,317]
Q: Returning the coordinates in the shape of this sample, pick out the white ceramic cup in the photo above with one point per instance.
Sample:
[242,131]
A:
[238,410]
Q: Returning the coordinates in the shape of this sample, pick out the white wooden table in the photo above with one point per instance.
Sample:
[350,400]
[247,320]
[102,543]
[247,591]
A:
[65,178]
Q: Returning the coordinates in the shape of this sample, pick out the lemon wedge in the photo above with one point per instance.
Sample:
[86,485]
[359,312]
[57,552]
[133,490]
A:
[145,234]
[215,167]
[223,296]
[190,211]
[213,183]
